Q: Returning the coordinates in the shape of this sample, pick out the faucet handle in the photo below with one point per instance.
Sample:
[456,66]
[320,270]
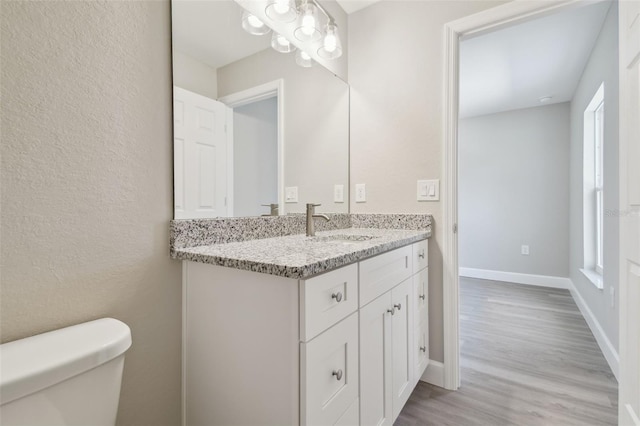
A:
[314,205]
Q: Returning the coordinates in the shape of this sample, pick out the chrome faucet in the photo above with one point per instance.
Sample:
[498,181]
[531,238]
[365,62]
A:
[274,209]
[311,213]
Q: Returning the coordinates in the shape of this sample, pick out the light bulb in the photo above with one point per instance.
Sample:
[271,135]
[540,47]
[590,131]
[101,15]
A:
[330,43]
[308,23]
[254,22]
[331,47]
[281,6]
[282,41]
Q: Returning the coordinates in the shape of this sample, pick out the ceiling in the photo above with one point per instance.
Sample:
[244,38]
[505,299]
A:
[351,6]
[514,67]
[199,26]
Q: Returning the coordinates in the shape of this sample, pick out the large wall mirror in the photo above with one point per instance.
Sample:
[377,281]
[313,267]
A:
[252,128]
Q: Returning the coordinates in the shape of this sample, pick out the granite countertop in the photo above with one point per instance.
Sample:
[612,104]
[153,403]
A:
[299,256]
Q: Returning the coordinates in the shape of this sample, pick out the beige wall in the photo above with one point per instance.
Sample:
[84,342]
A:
[316,113]
[194,76]
[396,78]
[87,184]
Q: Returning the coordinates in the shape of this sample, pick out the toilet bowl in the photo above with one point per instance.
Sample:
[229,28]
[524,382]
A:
[70,376]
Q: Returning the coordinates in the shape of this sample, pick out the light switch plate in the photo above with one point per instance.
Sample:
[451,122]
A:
[428,190]
[361,193]
[291,194]
[338,193]
[524,250]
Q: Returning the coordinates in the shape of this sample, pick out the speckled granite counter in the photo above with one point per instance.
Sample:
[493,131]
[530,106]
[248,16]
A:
[299,256]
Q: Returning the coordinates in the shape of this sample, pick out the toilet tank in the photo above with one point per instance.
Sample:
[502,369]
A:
[69,376]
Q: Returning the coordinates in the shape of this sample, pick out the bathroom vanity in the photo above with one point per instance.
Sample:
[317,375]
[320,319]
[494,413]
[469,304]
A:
[325,330]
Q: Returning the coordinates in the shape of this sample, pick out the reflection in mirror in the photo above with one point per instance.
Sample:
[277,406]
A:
[254,133]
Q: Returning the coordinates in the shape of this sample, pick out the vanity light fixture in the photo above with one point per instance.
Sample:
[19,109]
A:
[281,44]
[303,59]
[303,20]
[253,25]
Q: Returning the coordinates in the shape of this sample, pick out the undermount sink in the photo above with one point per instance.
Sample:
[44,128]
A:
[342,238]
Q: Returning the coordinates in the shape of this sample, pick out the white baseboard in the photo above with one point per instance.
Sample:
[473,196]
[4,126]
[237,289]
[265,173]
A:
[609,352]
[434,374]
[518,278]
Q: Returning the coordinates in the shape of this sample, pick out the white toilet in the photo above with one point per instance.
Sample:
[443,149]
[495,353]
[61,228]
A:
[69,376]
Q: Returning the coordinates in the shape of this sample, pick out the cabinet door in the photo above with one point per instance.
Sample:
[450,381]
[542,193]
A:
[421,323]
[375,362]
[329,373]
[402,334]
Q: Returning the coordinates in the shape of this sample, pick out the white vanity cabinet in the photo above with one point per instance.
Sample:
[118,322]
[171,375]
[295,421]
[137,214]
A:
[339,348]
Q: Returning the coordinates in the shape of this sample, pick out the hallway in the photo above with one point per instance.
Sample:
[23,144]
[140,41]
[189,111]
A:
[527,358]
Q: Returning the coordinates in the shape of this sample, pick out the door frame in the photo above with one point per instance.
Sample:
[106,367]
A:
[511,13]
[264,91]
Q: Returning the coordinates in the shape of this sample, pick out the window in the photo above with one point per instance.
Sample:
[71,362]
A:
[593,195]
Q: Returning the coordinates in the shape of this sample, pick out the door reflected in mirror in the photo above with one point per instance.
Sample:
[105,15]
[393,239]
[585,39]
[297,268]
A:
[250,125]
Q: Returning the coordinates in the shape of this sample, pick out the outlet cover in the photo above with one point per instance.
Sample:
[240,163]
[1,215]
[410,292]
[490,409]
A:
[338,193]
[361,193]
[525,250]
[291,194]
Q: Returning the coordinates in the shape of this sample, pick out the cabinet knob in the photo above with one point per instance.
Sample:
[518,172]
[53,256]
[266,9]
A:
[338,374]
[423,348]
[391,311]
[397,306]
[337,296]
[421,255]
[421,296]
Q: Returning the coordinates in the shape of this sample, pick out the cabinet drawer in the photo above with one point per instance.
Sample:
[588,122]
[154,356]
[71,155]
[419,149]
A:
[329,373]
[326,299]
[383,272]
[421,295]
[420,255]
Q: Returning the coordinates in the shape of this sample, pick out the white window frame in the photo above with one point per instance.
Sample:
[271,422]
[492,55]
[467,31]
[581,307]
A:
[593,189]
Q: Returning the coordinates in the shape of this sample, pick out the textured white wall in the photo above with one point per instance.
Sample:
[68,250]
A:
[602,66]
[396,78]
[87,186]
[255,157]
[316,128]
[194,76]
[514,190]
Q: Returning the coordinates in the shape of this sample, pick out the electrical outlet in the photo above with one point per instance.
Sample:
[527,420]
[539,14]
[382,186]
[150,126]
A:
[524,250]
[291,194]
[338,193]
[361,193]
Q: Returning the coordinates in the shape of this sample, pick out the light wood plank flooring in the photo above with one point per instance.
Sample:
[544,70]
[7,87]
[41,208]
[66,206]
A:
[527,358]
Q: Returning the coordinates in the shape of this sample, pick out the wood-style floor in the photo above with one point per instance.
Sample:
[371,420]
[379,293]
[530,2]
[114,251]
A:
[527,358]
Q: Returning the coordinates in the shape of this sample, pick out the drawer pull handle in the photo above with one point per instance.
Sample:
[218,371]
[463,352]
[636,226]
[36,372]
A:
[421,255]
[423,348]
[398,306]
[421,296]
[391,311]
[338,297]
[338,374]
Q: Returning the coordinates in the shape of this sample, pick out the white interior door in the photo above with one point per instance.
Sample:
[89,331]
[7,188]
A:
[200,155]
[629,400]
